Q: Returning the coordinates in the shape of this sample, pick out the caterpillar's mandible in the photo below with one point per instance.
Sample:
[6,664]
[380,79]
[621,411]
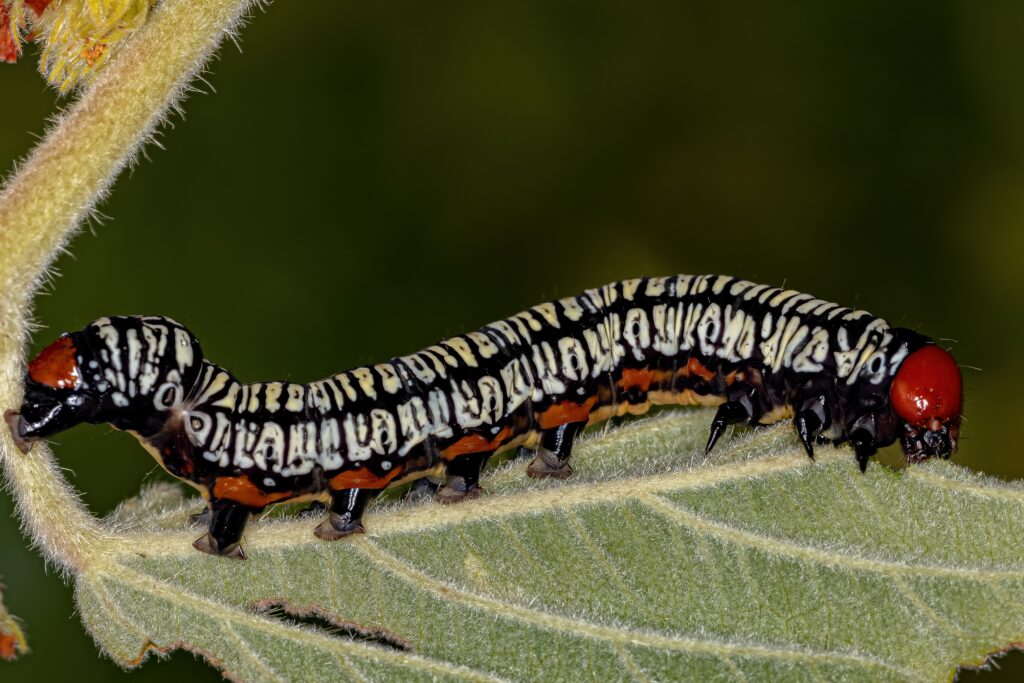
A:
[533,380]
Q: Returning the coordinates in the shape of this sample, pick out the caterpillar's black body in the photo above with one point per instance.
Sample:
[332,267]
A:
[534,380]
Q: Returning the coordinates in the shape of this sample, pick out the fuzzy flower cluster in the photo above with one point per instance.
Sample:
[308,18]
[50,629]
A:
[77,36]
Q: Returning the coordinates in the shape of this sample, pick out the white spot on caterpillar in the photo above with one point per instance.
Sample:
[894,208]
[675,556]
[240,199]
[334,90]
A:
[219,381]
[637,332]
[384,436]
[365,378]
[271,394]
[629,288]
[182,349]
[485,344]
[443,354]
[420,369]
[301,449]
[507,332]
[720,282]
[134,353]
[571,309]
[346,386]
[461,347]
[357,437]
[574,358]
[709,328]
[270,448]
[335,387]
[330,444]
[413,423]
[693,314]
[897,359]
[796,332]
[268,482]
[296,398]
[845,357]
[812,356]
[389,378]
[514,384]
[748,339]
[228,400]
[683,283]
[530,321]
[740,286]
[108,333]
[596,339]
[492,400]
[656,286]
[466,405]
[733,328]
[547,310]
[243,439]
[665,330]
[782,296]
[168,395]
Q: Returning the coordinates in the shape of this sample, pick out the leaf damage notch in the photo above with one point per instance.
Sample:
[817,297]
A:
[323,621]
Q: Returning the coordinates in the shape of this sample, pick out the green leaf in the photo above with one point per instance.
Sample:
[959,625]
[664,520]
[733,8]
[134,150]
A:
[652,563]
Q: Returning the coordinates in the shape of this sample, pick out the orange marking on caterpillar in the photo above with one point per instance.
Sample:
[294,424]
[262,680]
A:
[363,478]
[565,413]
[242,490]
[475,443]
[636,379]
[695,367]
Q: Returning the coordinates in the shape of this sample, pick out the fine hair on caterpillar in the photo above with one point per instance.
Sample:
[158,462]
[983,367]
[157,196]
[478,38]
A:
[531,381]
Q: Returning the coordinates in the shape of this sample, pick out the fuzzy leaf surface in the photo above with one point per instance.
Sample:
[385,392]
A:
[651,563]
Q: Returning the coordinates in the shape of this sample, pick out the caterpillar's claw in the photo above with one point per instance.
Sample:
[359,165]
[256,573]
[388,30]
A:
[862,436]
[809,421]
[807,428]
[208,545]
[338,526]
[729,413]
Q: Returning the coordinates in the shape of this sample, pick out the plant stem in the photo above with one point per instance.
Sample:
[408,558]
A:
[42,205]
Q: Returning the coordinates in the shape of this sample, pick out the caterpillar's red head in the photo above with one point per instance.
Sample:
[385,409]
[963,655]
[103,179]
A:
[54,395]
[130,371]
[927,394]
[55,366]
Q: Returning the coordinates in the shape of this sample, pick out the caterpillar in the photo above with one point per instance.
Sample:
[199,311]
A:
[533,381]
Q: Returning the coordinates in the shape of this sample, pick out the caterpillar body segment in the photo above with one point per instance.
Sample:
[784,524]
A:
[533,381]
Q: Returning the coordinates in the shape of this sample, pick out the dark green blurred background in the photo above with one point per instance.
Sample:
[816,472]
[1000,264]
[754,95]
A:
[369,179]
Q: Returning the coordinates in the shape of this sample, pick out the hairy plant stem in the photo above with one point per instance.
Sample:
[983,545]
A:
[44,203]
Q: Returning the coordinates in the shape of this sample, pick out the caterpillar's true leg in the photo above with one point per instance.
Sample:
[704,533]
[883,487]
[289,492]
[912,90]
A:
[462,478]
[809,422]
[227,522]
[552,457]
[729,413]
[346,515]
